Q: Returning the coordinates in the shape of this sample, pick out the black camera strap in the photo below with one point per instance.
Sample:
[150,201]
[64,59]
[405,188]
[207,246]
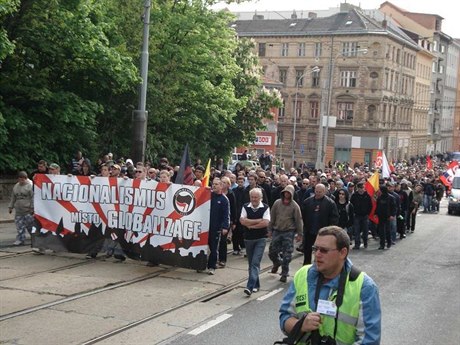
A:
[354,273]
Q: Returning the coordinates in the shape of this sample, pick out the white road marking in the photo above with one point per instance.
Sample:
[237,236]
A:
[270,294]
[210,324]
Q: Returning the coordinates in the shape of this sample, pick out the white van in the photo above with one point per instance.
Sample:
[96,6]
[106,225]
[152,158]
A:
[454,197]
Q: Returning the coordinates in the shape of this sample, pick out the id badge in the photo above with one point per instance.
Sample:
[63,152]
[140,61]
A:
[327,307]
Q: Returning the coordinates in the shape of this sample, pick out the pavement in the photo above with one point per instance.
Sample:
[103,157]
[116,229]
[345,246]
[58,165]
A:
[5,217]
[151,304]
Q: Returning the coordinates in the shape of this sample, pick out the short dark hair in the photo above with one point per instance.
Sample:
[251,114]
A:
[341,236]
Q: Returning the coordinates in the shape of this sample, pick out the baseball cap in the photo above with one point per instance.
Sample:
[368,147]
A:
[54,166]
[116,166]
[293,179]
[200,168]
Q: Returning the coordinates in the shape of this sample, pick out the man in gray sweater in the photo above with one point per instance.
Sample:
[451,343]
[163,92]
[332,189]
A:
[286,221]
[22,201]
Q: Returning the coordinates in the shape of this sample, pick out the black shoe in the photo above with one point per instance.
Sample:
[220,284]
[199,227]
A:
[91,256]
[152,264]
[283,279]
[275,269]
[247,292]
[119,257]
[365,246]
[381,248]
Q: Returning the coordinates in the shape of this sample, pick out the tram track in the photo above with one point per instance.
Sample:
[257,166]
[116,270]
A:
[84,294]
[204,298]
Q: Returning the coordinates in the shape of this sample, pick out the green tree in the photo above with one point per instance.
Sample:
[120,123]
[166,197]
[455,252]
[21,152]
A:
[205,84]
[59,82]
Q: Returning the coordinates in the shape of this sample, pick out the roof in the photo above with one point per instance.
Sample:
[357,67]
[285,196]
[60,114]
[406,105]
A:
[343,23]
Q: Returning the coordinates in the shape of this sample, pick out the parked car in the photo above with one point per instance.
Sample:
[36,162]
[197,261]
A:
[454,196]
[252,165]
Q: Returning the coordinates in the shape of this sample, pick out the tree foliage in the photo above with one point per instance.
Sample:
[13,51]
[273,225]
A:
[70,80]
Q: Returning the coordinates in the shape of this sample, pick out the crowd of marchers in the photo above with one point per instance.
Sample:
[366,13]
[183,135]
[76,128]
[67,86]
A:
[327,213]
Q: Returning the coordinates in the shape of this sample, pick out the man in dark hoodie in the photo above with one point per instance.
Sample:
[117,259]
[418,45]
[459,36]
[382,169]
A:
[286,221]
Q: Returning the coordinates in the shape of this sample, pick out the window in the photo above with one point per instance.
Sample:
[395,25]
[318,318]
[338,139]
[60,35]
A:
[318,49]
[435,46]
[443,48]
[262,47]
[345,111]
[349,48]
[280,137]
[301,51]
[311,142]
[282,110]
[299,77]
[283,76]
[315,79]
[314,109]
[297,109]
[285,49]
[348,79]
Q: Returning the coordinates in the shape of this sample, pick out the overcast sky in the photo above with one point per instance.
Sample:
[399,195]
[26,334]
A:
[448,9]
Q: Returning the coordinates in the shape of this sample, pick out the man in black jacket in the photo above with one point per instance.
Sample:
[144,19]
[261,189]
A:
[362,205]
[318,211]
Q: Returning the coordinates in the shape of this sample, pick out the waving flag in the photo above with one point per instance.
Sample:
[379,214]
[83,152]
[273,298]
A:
[372,187]
[429,163]
[385,166]
[185,175]
[448,175]
[207,174]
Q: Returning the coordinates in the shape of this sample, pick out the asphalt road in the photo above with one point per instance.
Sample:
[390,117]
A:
[105,302]
[418,280]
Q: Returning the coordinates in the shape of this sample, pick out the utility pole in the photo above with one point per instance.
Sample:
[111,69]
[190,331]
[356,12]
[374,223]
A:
[139,118]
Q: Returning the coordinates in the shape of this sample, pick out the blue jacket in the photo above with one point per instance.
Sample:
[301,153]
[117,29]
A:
[220,213]
[369,324]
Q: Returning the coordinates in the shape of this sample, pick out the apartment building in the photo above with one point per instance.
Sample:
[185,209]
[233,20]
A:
[354,73]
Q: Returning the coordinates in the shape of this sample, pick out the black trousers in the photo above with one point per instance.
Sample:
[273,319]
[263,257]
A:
[308,242]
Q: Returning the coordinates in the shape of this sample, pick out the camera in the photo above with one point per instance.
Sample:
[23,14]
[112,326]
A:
[326,340]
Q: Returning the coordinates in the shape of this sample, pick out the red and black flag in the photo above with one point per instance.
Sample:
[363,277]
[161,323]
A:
[185,174]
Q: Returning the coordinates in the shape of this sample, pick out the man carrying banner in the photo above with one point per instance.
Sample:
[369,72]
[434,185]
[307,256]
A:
[219,222]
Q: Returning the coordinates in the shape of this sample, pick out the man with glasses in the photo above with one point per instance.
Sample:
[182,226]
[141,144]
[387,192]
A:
[341,304]
[152,174]
[362,207]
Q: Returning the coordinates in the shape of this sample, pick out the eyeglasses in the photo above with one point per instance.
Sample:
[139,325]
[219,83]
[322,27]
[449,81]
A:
[305,184]
[138,171]
[322,250]
[151,172]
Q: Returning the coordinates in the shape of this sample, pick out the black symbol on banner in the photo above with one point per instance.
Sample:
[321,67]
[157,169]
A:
[184,201]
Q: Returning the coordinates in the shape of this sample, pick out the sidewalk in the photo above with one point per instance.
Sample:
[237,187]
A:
[5,217]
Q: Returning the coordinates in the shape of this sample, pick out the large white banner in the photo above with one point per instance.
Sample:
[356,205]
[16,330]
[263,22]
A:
[166,217]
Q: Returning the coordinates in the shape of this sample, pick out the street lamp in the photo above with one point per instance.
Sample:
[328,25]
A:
[323,138]
[313,70]
[139,117]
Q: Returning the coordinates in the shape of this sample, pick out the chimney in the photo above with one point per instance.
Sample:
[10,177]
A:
[384,24]
[312,15]
[257,16]
[294,15]
[346,7]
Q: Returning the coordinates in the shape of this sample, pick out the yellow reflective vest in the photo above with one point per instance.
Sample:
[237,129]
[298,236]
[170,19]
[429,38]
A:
[348,312]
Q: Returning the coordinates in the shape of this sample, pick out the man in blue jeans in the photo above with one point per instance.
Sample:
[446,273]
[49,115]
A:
[255,216]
